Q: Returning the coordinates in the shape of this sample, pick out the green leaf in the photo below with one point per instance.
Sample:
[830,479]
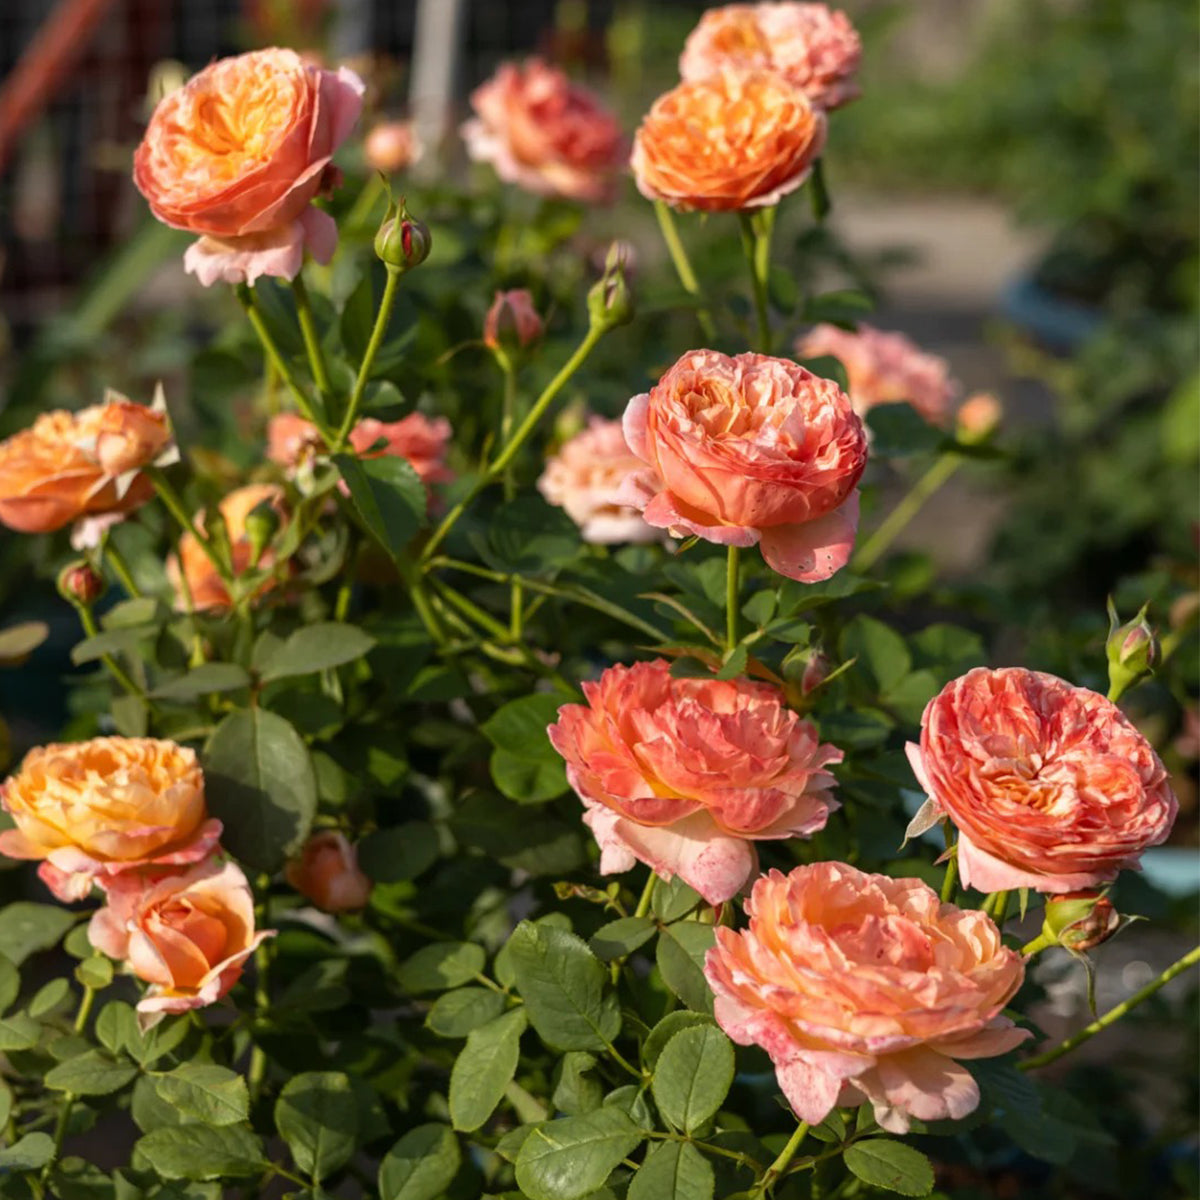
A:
[673,1171]
[27,928]
[95,972]
[898,429]
[313,648]
[10,984]
[260,782]
[206,1093]
[525,766]
[29,1153]
[666,1029]
[18,1032]
[401,852]
[317,1116]
[484,1068]
[569,1158]
[693,1076]
[112,641]
[90,1074]
[55,995]
[680,957]
[204,680]
[883,1163]
[456,1013]
[18,641]
[673,900]
[527,536]
[564,987]
[200,1152]
[421,1165]
[576,1089]
[878,648]
[621,937]
[441,966]
[388,495]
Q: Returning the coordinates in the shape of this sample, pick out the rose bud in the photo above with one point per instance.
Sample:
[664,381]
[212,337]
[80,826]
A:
[392,146]
[610,302]
[816,671]
[262,524]
[402,242]
[1131,651]
[79,583]
[1079,920]
[978,418]
[327,872]
[512,323]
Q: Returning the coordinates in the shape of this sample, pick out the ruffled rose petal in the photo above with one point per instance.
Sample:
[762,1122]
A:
[815,550]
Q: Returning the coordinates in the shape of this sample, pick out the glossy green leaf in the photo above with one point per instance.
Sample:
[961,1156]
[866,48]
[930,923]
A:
[206,1093]
[572,1157]
[884,1163]
[388,495]
[400,852]
[90,1074]
[27,928]
[313,648]
[673,1171]
[200,1152]
[680,956]
[484,1068]
[621,937]
[28,1153]
[457,1013]
[420,1165]
[205,680]
[442,966]
[692,1076]
[317,1116]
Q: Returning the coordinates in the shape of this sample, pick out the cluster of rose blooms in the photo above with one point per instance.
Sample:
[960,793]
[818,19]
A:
[861,988]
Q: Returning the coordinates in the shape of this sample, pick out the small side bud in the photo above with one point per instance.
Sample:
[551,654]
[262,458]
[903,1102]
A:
[512,323]
[816,671]
[1132,651]
[978,418]
[391,146]
[79,583]
[262,523]
[1079,921]
[610,302]
[402,242]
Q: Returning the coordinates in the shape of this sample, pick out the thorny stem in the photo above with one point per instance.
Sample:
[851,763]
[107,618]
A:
[1114,1014]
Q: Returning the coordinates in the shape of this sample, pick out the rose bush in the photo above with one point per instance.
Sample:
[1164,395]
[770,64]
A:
[445,807]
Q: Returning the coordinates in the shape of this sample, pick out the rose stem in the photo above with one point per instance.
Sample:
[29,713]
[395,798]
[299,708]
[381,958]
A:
[756,241]
[382,319]
[171,498]
[731,598]
[68,1101]
[113,557]
[950,880]
[780,1164]
[516,605]
[893,525]
[312,343]
[246,299]
[1114,1014]
[683,266]
[509,452]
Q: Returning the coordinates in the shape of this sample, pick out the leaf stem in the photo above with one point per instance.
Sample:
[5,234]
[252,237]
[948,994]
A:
[382,319]
[312,341]
[1114,1014]
[175,506]
[731,598]
[897,520]
[950,879]
[683,266]
[781,1163]
[497,467]
[643,904]
[68,1100]
[88,620]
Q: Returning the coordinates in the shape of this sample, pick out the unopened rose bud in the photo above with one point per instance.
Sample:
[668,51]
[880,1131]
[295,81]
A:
[80,583]
[391,146]
[1131,649]
[512,323]
[262,523]
[1080,921]
[978,418]
[328,874]
[610,302]
[402,242]
[816,671]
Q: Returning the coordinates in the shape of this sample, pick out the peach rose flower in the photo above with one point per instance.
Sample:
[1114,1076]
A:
[545,134]
[94,810]
[863,988]
[686,775]
[391,146]
[885,368]
[733,141]
[83,465]
[238,154]
[186,934]
[1051,786]
[747,451]
[327,872]
[813,47]
[191,566]
[421,439]
[584,479]
[512,320]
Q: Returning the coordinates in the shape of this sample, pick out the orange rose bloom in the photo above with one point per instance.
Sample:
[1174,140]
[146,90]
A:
[68,466]
[187,934]
[192,565]
[92,810]
[239,153]
[327,872]
[732,141]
